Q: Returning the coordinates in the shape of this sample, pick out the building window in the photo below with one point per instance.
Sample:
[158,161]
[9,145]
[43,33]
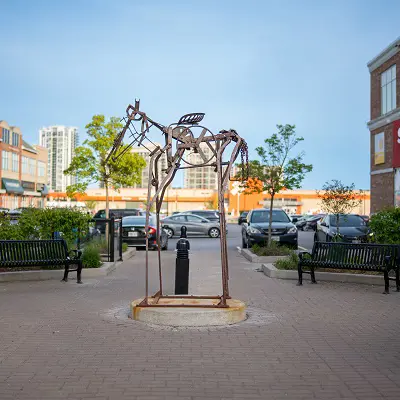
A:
[15,162]
[15,139]
[41,169]
[32,166]
[5,157]
[24,165]
[388,90]
[6,136]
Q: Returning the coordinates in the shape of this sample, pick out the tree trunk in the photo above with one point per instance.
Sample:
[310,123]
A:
[271,205]
[337,225]
[107,231]
[107,199]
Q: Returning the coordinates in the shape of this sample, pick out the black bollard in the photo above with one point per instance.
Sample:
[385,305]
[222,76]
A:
[182,264]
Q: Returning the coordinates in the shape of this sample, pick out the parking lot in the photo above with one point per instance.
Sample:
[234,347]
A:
[204,243]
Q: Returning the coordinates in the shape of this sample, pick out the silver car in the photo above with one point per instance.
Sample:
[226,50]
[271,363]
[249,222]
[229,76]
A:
[194,225]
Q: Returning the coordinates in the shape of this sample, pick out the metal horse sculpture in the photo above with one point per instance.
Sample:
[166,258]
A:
[180,138]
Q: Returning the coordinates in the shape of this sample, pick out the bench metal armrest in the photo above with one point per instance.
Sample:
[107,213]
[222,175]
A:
[303,253]
[77,253]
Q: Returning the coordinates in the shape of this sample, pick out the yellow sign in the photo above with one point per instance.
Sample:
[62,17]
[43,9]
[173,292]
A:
[379,148]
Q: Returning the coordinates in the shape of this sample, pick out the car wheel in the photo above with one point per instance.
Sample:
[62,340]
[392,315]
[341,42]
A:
[244,243]
[169,232]
[214,233]
[165,247]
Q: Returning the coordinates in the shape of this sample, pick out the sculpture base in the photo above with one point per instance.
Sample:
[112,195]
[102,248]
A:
[176,314]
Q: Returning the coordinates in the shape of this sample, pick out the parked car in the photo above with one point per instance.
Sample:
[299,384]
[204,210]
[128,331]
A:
[211,215]
[255,229]
[295,217]
[365,218]
[301,222]
[242,217]
[134,233]
[352,229]
[311,223]
[119,213]
[195,225]
[4,210]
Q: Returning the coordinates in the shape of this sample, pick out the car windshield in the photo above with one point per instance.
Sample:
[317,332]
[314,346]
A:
[347,220]
[244,214]
[136,221]
[263,216]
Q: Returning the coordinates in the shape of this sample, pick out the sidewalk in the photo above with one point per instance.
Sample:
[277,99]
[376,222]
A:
[325,341]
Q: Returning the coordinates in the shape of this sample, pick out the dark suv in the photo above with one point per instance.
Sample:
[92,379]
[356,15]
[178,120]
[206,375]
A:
[120,213]
[255,229]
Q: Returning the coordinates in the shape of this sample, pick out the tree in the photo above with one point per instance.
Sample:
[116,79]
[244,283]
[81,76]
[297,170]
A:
[212,204]
[338,199]
[89,163]
[91,204]
[275,169]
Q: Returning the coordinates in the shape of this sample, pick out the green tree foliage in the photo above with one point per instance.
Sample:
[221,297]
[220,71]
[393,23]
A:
[34,223]
[338,199]
[276,168]
[89,163]
[385,226]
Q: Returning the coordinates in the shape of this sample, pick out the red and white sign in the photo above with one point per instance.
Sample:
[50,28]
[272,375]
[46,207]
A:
[396,144]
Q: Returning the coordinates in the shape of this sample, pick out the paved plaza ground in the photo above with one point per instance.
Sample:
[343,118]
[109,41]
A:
[325,341]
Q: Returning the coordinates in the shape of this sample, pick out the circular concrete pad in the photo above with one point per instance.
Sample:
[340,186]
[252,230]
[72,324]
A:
[189,316]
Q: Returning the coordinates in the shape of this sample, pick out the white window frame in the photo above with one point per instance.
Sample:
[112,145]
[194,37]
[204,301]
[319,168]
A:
[5,160]
[388,90]
[24,165]
[14,162]
[41,169]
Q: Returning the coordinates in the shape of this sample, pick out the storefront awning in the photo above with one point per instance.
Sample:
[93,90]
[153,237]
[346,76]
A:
[42,188]
[12,186]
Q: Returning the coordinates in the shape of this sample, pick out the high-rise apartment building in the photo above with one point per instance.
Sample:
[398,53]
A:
[200,178]
[60,141]
[145,153]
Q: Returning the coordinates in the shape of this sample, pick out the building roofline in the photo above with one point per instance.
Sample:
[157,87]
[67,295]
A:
[384,55]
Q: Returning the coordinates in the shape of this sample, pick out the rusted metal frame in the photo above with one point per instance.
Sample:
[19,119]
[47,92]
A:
[219,305]
[225,179]
[221,209]
[158,232]
[148,206]
[203,165]
[170,173]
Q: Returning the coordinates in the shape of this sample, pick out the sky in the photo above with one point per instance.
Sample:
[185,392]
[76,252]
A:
[247,65]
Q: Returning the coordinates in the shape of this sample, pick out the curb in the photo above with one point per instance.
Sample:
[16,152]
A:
[254,258]
[272,272]
[44,275]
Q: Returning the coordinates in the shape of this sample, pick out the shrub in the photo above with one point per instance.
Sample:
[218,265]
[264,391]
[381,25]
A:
[91,256]
[273,250]
[36,223]
[124,247]
[385,226]
[288,263]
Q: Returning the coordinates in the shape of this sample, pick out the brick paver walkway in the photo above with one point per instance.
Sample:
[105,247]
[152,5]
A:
[325,341]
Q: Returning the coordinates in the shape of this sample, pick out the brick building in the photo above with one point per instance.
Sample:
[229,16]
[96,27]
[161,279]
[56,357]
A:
[384,127]
[23,170]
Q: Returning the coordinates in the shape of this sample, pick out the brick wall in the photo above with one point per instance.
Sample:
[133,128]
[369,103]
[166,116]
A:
[376,85]
[382,191]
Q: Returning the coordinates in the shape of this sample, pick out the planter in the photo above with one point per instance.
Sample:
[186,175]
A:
[249,255]
[56,274]
[272,272]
